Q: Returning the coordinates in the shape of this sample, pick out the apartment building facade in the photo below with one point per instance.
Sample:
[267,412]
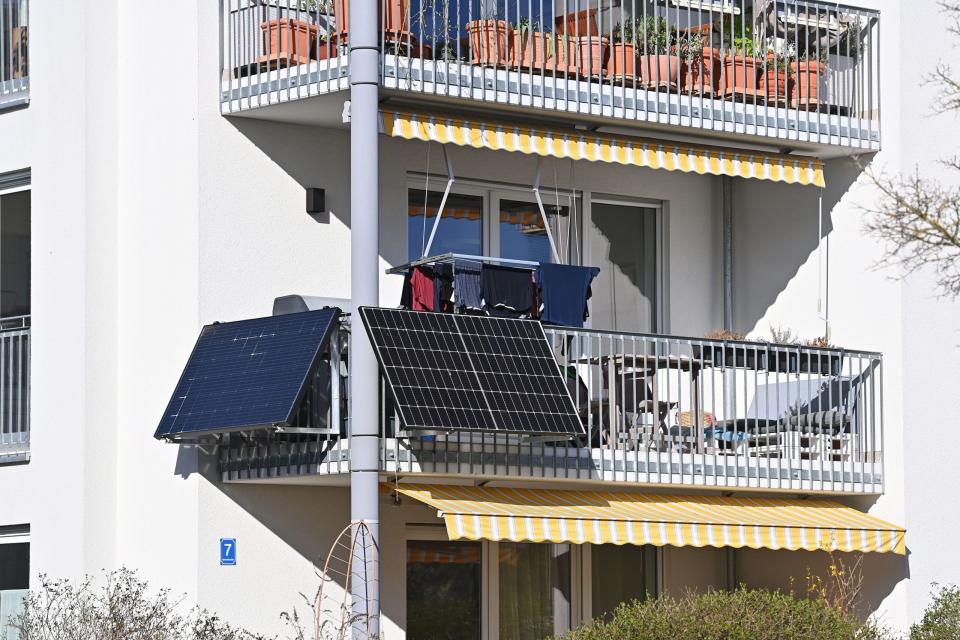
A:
[154,170]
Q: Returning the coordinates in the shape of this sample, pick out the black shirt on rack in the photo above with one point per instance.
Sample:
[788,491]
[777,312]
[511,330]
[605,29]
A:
[506,292]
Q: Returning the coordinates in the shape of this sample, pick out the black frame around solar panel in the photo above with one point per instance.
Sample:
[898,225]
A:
[247,375]
[452,372]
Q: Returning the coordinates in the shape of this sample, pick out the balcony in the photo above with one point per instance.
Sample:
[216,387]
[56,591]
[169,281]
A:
[14,389]
[658,411]
[14,59]
[793,74]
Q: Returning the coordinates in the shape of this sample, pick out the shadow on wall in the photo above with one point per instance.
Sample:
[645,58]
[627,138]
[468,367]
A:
[299,151]
[881,572]
[775,233]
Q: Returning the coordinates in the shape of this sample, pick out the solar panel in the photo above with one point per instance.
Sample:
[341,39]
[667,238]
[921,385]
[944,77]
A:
[471,373]
[247,374]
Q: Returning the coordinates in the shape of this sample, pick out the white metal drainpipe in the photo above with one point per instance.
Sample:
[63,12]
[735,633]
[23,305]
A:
[364,42]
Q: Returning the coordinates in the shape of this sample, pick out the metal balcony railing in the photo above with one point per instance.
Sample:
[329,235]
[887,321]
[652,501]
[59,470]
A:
[14,389]
[657,410]
[14,50]
[796,70]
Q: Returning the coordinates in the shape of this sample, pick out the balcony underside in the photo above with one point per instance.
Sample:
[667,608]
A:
[315,95]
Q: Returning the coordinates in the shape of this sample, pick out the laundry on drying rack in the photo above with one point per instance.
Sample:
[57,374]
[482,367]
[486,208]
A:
[466,283]
[564,290]
[506,291]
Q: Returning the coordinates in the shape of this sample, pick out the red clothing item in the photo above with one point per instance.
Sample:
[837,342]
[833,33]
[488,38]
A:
[422,282]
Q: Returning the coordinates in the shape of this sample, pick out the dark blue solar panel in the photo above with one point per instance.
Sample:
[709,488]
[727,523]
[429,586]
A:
[247,374]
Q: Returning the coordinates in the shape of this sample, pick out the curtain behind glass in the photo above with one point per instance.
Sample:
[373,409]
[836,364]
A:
[534,590]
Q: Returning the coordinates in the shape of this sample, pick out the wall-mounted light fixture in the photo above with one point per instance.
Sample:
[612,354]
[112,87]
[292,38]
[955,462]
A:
[316,200]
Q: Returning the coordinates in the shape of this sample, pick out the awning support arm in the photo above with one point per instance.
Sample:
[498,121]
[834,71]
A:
[443,201]
[543,213]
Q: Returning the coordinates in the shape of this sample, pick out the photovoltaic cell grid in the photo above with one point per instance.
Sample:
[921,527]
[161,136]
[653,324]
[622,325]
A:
[247,374]
[471,373]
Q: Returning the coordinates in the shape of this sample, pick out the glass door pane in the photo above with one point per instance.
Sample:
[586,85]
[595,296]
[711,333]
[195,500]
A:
[443,590]
[523,235]
[460,229]
[623,244]
[534,590]
[620,574]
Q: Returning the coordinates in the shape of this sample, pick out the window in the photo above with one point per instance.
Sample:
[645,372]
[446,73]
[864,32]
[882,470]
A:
[15,254]
[443,590]
[460,229]
[623,243]
[13,45]
[14,576]
[523,235]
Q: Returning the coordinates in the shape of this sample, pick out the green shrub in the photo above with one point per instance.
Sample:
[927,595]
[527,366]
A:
[719,615]
[941,619]
[122,608]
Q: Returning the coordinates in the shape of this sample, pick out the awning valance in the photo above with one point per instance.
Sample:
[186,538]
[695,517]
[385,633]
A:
[603,147]
[600,517]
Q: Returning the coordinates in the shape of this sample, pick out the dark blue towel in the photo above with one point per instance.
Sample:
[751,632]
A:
[565,289]
[466,284]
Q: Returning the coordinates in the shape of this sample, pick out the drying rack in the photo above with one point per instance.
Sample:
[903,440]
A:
[452,258]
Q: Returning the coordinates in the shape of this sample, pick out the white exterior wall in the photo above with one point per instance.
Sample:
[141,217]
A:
[153,215]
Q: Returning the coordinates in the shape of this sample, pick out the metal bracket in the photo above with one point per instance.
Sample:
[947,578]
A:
[443,202]
[543,213]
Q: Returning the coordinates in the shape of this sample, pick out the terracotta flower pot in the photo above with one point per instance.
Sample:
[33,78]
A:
[530,50]
[289,40]
[622,63]
[490,42]
[396,29]
[774,85]
[575,25]
[564,59]
[660,70]
[592,55]
[806,84]
[701,75]
[740,76]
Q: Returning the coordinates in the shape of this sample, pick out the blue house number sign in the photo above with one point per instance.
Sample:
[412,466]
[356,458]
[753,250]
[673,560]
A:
[228,552]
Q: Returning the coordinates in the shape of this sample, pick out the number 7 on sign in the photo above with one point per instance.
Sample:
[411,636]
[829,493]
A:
[228,552]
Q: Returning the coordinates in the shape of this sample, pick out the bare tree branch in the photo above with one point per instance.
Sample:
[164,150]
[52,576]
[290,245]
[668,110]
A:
[917,219]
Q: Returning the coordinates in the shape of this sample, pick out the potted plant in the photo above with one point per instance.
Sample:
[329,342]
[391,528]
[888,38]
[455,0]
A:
[490,40]
[659,61]
[741,69]
[531,47]
[622,63]
[395,29]
[592,53]
[700,69]
[775,82]
[288,40]
[808,69]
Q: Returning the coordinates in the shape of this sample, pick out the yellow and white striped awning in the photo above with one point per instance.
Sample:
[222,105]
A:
[598,517]
[603,147]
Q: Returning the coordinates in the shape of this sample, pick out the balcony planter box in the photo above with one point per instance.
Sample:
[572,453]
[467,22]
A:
[564,56]
[288,41]
[660,70]
[701,75]
[744,357]
[530,49]
[740,76]
[825,364]
[806,85]
[490,42]
[592,55]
